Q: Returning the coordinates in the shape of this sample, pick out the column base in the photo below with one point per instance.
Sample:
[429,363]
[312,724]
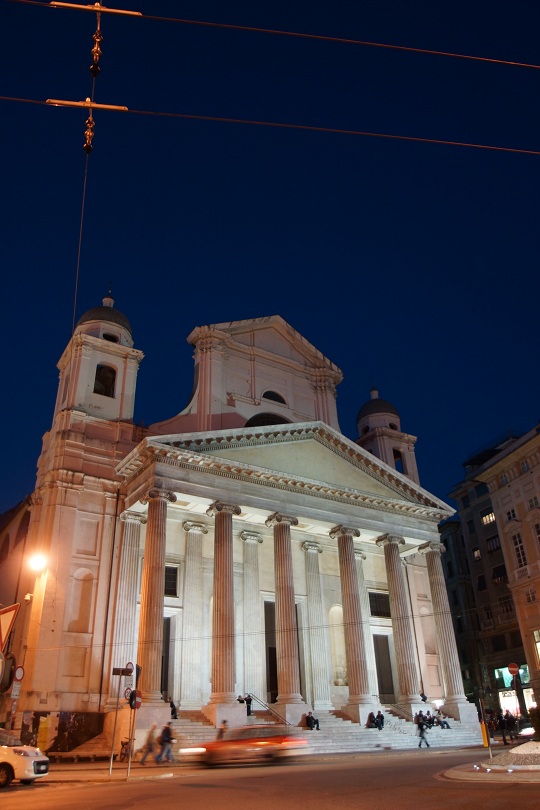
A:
[292,713]
[465,712]
[358,712]
[233,713]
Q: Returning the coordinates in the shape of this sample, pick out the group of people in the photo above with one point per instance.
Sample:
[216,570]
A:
[247,699]
[505,722]
[375,720]
[432,720]
[163,742]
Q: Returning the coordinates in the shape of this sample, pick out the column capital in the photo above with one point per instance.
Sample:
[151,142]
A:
[431,545]
[277,518]
[191,526]
[312,546]
[385,539]
[251,537]
[133,517]
[217,507]
[342,531]
[159,495]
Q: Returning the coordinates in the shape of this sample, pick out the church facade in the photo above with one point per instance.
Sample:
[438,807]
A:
[244,545]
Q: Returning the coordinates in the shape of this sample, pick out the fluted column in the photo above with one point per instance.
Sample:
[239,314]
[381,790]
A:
[223,637]
[365,612]
[359,692]
[150,648]
[404,641]
[192,609]
[321,675]
[124,641]
[446,640]
[254,656]
[288,665]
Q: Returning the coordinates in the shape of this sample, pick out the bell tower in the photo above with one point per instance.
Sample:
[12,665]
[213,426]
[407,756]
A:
[379,432]
[98,369]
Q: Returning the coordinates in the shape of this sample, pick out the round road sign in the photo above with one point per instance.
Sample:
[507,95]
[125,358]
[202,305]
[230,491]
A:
[19,673]
[130,666]
[127,693]
[513,669]
[138,700]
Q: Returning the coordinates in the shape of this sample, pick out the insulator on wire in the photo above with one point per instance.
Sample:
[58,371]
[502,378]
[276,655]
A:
[89,134]
[96,53]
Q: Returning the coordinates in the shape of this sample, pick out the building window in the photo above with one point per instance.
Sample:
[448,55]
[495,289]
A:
[506,605]
[511,514]
[488,516]
[379,604]
[537,644]
[530,596]
[104,381]
[476,554]
[503,479]
[499,574]
[488,613]
[524,466]
[470,527]
[493,543]
[521,557]
[537,530]
[171,580]
[481,583]
[465,501]
[274,396]
[533,502]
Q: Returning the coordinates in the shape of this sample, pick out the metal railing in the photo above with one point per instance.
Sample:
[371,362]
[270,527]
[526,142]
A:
[269,709]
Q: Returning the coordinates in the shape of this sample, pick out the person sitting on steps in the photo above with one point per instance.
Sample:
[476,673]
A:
[312,722]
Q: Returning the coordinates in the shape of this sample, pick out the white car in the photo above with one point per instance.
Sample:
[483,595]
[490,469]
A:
[17,761]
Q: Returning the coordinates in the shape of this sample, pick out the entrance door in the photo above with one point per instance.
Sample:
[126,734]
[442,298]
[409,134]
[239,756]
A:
[384,669]
[271,652]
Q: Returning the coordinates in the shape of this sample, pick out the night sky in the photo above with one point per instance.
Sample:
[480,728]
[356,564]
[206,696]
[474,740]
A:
[411,265]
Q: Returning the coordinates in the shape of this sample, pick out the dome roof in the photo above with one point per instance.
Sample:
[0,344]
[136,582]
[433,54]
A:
[376,405]
[106,313]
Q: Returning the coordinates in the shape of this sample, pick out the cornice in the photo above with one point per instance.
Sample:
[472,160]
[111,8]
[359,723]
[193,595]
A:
[151,451]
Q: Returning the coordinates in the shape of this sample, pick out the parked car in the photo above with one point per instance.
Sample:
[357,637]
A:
[253,743]
[17,761]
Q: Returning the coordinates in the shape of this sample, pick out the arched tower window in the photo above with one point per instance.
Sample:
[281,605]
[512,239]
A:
[105,380]
[398,461]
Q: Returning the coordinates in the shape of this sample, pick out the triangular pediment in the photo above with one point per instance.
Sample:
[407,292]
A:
[269,335]
[308,455]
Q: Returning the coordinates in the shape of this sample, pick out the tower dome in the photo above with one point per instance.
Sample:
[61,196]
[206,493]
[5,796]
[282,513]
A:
[376,405]
[107,323]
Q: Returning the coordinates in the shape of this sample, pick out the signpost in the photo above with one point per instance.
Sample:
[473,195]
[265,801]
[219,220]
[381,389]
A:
[513,669]
[121,672]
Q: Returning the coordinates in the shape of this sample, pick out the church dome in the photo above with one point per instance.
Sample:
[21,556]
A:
[375,405]
[106,313]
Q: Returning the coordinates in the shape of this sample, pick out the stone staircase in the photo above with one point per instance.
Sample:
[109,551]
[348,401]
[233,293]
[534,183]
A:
[336,736]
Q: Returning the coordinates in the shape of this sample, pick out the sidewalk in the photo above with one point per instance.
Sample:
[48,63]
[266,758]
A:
[101,772]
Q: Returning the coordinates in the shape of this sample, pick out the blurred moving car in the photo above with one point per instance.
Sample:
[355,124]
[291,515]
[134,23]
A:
[253,743]
[17,761]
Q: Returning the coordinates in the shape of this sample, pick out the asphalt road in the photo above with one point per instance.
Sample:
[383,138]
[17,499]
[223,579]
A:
[404,781]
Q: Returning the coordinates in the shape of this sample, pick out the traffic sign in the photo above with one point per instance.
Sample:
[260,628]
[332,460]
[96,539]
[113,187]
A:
[513,669]
[16,689]
[127,693]
[19,673]
[138,700]
[129,666]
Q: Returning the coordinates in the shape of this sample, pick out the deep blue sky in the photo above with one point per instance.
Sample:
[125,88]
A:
[412,266]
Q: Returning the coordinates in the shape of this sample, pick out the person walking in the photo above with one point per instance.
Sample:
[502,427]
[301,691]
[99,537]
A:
[422,729]
[166,744]
[149,743]
[222,729]
[502,725]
